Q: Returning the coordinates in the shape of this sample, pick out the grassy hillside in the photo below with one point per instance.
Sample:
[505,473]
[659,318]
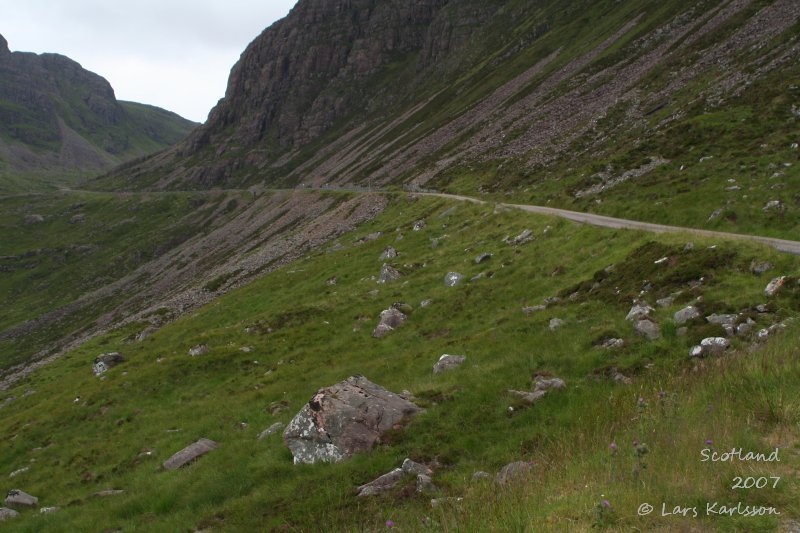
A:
[276,341]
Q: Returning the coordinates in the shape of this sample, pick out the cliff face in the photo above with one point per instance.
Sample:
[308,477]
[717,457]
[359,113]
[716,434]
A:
[57,116]
[309,70]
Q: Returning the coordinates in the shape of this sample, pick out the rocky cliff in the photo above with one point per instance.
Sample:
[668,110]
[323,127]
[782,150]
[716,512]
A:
[55,115]
[570,98]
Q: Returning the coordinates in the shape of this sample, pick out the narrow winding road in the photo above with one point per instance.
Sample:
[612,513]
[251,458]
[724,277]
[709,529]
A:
[783,245]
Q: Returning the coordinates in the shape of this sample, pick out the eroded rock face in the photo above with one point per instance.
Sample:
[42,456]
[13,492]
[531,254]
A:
[344,419]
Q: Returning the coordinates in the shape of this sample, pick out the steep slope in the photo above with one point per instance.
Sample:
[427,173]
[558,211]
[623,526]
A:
[574,103]
[57,117]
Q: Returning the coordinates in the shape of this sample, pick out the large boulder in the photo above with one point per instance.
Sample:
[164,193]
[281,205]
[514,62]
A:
[189,454]
[344,419]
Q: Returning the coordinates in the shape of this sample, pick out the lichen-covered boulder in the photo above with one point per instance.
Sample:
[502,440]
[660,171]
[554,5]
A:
[345,419]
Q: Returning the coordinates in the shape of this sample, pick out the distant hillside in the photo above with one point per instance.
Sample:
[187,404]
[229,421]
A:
[671,111]
[58,120]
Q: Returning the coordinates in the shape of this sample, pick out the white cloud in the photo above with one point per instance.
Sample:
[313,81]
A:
[175,54]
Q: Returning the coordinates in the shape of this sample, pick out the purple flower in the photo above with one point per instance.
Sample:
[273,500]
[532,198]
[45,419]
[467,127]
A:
[709,442]
[662,394]
[612,447]
[390,523]
[641,402]
[606,504]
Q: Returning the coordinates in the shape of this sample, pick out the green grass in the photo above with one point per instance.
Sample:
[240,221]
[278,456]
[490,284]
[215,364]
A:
[304,334]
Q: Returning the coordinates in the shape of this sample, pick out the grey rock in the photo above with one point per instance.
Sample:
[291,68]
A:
[686,314]
[390,319]
[483,257]
[762,334]
[18,498]
[774,286]
[105,361]
[556,323]
[774,205]
[648,329]
[33,219]
[48,510]
[425,484]
[452,279]
[416,469]
[476,277]
[425,303]
[528,397]
[448,362]
[77,219]
[512,472]
[388,253]
[344,419]
[382,484]
[722,320]
[524,237]
[620,378]
[109,492]
[533,309]
[689,247]
[389,273]
[480,474]
[189,454]
[551,300]
[710,346]
[200,349]
[665,302]
[762,308]
[639,311]
[17,472]
[715,215]
[331,281]
[419,225]
[759,267]
[612,344]
[543,384]
[745,328]
[274,428]
[6,513]
[371,237]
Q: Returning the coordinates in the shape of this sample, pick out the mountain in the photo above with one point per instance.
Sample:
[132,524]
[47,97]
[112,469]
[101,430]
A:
[570,103]
[56,118]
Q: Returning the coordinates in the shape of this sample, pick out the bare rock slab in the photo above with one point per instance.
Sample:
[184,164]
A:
[19,498]
[382,484]
[274,428]
[190,453]
[345,419]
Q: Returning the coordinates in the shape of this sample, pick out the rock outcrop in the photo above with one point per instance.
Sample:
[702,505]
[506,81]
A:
[345,419]
[190,453]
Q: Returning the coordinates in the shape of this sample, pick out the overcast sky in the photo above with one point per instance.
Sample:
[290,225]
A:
[175,54]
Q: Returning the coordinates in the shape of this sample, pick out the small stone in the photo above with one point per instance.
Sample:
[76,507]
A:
[18,498]
[710,346]
[533,309]
[686,314]
[661,261]
[480,474]
[415,469]
[745,328]
[388,253]
[33,219]
[6,513]
[612,344]
[773,205]
[774,286]
[524,237]
[190,453]
[665,302]
[688,247]
[48,510]
[448,362]
[648,329]
[619,378]
[483,257]
[542,384]
[425,484]
[722,320]
[274,428]
[436,502]
[105,361]
[389,273]
[512,471]
[759,267]
[419,225]
[382,484]
[528,397]
[556,323]
[452,279]
[200,349]
[639,311]
[108,492]
[22,470]
[425,303]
